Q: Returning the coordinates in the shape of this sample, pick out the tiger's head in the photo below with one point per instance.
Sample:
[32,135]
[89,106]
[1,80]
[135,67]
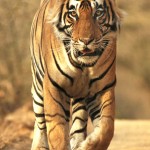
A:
[86,27]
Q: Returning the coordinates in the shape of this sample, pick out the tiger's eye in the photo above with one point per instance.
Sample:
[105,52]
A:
[73,13]
[99,12]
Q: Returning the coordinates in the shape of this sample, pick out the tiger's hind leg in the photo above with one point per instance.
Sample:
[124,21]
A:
[40,136]
[79,123]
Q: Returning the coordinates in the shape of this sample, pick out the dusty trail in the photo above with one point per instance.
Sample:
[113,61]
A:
[16,133]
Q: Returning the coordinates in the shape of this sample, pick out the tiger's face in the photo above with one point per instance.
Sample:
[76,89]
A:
[87,28]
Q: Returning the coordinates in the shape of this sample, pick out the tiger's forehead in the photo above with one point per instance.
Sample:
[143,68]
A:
[77,3]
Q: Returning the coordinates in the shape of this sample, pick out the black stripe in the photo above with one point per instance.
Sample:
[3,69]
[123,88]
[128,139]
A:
[72,7]
[35,29]
[75,101]
[98,116]
[41,122]
[67,112]
[108,15]
[56,85]
[41,59]
[66,43]
[39,115]
[58,67]
[41,128]
[94,114]
[113,13]
[114,25]
[65,27]
[89,105]
[34,76]
[79,131]
[57,114]
[106,105]
[79,108]
[105,5]
[67,5]
[90,99]
[38,94]
[38,103]
[68,101]
[54,128]
[113,83]
[75,64]
[35,62]
[78,118]
[108,86]
[61,29]
[102,75]
[39,79]
[105,102]
[93,109]
[60,14]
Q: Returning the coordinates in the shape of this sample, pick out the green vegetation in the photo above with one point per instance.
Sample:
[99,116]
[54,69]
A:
[133,59]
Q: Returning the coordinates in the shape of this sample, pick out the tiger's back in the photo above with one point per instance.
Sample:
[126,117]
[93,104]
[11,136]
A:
[73,53]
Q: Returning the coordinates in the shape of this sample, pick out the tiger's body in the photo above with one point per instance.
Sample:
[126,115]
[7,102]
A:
[73,53]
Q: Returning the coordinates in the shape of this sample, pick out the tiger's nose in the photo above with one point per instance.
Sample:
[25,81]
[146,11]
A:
[86,41]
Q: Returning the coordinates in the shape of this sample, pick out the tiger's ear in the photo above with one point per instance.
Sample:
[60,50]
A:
[55,8]
[119,12]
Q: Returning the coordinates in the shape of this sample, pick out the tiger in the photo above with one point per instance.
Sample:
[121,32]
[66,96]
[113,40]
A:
[73,63]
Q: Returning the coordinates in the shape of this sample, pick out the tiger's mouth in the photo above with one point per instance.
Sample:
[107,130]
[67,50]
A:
[87,52]
[86,57]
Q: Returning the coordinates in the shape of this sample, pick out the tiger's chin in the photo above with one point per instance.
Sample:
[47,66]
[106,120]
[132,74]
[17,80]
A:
[86,59]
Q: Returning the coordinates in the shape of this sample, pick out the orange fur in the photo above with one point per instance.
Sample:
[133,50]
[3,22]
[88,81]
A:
[85,73]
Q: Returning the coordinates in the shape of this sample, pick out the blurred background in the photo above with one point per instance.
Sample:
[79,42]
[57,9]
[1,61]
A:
[133,58]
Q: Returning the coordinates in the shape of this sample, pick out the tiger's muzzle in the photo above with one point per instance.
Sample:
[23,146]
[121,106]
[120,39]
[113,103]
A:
[87,52]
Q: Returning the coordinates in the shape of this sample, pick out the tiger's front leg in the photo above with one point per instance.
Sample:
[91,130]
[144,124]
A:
[39,137]
[57,113]
[79,123]
[102,116]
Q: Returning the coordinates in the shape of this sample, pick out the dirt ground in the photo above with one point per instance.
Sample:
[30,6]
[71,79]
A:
[16,132]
